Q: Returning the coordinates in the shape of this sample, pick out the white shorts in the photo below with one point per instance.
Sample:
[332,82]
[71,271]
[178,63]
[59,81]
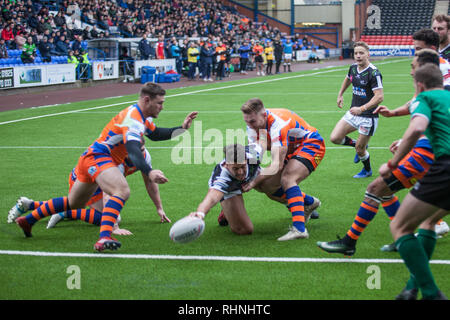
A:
[365,126]
[288,56]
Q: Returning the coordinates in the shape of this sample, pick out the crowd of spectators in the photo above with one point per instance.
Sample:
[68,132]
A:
[44,25]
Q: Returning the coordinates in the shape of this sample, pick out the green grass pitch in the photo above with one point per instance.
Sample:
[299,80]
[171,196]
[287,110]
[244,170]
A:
[40,147]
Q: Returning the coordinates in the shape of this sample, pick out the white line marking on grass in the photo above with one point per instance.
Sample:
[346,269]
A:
[206,258]
[210,111]
[189,93]
[157,147]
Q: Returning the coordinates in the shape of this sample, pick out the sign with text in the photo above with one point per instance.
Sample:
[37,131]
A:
[102,70]
[6,78]
[161,65]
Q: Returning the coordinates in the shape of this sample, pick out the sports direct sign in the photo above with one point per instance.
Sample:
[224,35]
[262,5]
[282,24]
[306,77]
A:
[105,70]
[391,52]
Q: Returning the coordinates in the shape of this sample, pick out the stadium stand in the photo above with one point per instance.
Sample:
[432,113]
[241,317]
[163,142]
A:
[124,18]
[399,20]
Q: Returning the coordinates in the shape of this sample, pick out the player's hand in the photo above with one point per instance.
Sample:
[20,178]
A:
[394,146]
[384,111]
[122,232]
[356,111]
[384,171]
[162,215]
[189,118]
[246,187]
[157,176]
[197,214]
[340,101]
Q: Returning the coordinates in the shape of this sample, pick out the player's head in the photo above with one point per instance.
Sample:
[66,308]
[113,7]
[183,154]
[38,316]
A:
[428,76]
[441,25]
[254,113]
[236,160]
[424,56]
[361,53]
[425,38]
[151,99]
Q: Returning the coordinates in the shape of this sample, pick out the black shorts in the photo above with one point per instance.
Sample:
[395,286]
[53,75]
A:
[393,183]
[434,187]
[259,59]
[305,162]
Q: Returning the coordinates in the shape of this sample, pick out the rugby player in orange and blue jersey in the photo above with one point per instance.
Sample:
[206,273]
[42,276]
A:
[98,165]
[296,150]
[93,214]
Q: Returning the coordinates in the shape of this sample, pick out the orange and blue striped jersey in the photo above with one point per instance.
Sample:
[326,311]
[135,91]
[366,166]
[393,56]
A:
[278,124]
[129,124]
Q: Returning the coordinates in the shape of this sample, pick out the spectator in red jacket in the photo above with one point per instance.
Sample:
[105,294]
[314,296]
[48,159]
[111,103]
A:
[160,48]
[8,36]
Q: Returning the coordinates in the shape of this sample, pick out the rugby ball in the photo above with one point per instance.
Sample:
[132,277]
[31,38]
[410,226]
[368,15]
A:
[187,229]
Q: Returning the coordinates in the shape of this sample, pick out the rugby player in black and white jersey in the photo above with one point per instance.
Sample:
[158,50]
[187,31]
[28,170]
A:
[441,25]
[240,166]
[367,85]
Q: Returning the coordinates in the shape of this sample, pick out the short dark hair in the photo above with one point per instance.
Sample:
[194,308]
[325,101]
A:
[428,36]
[152,90]
[234,153]
[427,56]
[430,75]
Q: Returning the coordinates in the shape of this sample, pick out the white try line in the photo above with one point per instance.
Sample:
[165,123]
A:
[161,147]
[212,111]
[188,93]
[206,258]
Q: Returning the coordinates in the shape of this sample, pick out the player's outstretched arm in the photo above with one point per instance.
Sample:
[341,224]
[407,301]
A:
[400,111]
[188,120]
[157,176]
[278,154]
[211,199]
[153,192]
[340,99]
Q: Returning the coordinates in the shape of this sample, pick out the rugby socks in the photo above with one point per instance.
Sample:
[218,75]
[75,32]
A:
[109,215]
[415,257]
[279,193]
[391,206]
[48,208]
[347,141]
[308,200]
[91,216]
[35,204]
[296,207]
[428,240]
[365,214]
[366,161]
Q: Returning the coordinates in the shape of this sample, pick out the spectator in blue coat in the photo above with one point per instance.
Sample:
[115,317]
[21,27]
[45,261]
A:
[145,48]
[175,52]
[244,53]
[206,59]
[62,46]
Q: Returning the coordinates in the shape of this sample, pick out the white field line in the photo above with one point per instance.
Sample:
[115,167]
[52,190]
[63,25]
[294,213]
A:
[188,93]
[214,111]
[159,147]
[206,258]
